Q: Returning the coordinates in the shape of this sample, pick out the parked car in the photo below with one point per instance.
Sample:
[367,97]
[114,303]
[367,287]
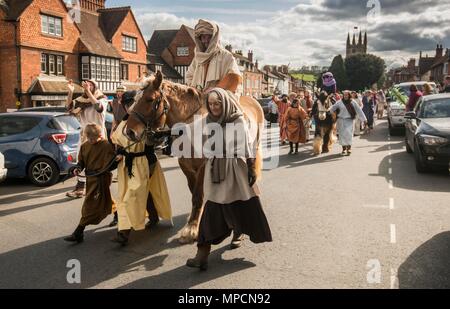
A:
[39,145]
[428,132]
[396,116]
[62,109]
[3,170]
[396,110]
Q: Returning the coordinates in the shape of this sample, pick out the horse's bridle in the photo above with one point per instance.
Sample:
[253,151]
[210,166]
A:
[148,123]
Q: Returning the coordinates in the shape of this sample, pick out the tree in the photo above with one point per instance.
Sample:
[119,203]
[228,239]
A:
[338,69]
[364,70]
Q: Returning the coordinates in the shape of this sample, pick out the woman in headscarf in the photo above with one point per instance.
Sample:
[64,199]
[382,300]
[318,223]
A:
[348,111]
[295,117]
[213,65]
[231,194]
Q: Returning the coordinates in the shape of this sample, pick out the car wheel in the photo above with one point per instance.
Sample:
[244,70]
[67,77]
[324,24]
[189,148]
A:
[43,172]
[408,148]
[421,167]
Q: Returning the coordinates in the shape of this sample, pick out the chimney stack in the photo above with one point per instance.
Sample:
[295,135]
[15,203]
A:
[92,5]
[250,56]
[439,51]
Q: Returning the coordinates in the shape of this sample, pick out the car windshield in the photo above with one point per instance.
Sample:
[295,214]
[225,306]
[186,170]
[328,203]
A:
[65,123]
[436,109]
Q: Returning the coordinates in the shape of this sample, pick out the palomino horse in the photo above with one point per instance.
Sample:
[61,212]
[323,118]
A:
[325,124]
[179,104]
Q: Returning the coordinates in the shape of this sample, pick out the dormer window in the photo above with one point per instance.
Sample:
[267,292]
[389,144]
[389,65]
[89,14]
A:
[51,25]
[182,51]
[129,44]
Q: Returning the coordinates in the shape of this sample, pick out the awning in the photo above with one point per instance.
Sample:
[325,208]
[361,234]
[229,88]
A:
[45,86]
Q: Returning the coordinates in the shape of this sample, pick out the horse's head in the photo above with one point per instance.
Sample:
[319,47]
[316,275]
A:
[149,110]
[325,99]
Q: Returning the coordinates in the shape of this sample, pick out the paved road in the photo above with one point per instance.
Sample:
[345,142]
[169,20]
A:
[368,221]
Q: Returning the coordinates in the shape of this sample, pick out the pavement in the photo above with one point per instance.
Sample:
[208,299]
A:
[365,221]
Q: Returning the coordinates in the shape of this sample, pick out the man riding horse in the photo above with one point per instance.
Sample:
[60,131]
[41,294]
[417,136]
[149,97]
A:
[213,65]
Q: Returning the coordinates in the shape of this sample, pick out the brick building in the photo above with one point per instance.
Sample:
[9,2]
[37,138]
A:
[252,77]
[42,46]
[172,52]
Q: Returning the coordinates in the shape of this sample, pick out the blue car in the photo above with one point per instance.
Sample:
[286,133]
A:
[41,146]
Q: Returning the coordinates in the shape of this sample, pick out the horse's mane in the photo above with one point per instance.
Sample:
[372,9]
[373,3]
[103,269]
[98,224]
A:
[187,99]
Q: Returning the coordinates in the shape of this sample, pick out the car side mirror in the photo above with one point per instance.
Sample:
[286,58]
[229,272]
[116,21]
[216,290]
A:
[410,115]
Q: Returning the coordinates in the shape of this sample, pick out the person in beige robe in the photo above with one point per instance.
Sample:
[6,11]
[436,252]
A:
[231,193]
[142,187]
[213,65]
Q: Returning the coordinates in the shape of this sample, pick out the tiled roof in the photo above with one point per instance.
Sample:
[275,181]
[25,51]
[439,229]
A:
[111,19]
[160,40]
[92,38]
[16,8]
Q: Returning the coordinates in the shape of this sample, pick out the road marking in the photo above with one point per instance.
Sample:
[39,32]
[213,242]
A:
[390,153]
[390,161]
[390,171]
[394,279]
[393,234]
[391,184]
[391,203]
[376,206]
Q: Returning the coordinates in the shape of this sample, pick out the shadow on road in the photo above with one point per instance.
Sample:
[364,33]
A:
[43,265]
[185,278]
[23,191]
[428,267]
[12,211]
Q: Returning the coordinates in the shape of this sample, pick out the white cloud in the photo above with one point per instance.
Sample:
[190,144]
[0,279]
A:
[312,34]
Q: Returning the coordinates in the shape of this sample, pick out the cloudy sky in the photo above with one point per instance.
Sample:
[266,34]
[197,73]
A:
[307,32]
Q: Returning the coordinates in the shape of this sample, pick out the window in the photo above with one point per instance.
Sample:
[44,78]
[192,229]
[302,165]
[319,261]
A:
[44,63]
[99,68]
[51,25]
[124,71]
[51,64]
[59,65]
[103,69]
[182,51]
[129,44]
[93,68]
[85,67]
[17,125]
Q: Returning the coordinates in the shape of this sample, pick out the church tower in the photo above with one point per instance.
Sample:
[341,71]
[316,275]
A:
[354,48]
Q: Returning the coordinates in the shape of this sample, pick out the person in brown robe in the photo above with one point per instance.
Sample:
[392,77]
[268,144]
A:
[95,157]
[294,122]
